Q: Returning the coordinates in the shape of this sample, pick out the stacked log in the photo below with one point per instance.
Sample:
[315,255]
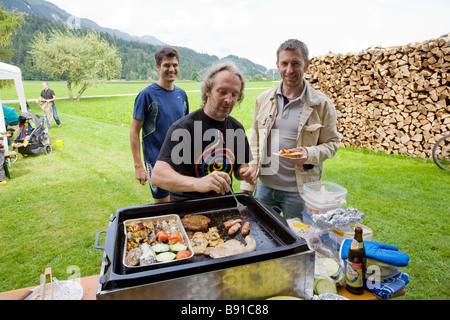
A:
[393,100]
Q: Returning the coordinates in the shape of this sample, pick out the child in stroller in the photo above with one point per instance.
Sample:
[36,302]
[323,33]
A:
[29,139]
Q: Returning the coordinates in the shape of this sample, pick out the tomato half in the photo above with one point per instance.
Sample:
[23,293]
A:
[175,237]
[183,254]
[162,236]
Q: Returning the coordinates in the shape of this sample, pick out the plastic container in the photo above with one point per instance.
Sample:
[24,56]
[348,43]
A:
[323,196]
[348,232]
[339,235]
[314,208]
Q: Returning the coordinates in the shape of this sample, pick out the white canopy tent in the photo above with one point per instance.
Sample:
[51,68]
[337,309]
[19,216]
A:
[10,72]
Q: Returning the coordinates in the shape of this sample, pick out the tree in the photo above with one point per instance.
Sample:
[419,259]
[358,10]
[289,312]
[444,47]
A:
[8,22]
[258,77]
[195,76]
[82,60]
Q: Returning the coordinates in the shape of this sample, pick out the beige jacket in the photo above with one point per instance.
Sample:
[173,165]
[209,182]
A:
[47,107]
[317,133]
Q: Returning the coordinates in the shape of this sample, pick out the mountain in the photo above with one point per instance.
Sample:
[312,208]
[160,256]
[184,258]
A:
[42,8]
[136,53]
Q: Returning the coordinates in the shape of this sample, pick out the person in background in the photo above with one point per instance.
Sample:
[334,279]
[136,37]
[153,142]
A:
[155,109]
[48,95]
[295,117]
[202,150]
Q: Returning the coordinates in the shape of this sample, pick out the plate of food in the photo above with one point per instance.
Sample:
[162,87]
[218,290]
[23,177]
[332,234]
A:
[62,290]
[288,154]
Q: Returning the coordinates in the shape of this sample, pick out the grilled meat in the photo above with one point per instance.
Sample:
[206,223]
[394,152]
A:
[133,256]
[195,222]
[246,228]
[234,228]
[213,237]
[199,243]
[228,224]
[231,247]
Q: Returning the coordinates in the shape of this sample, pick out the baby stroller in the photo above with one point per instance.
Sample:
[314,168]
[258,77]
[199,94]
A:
[29,139]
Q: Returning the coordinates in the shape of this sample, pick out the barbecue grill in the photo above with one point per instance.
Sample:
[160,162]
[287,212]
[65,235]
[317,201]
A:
[281,265]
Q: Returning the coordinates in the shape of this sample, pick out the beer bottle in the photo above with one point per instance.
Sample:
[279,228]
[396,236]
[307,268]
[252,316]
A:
[356,264]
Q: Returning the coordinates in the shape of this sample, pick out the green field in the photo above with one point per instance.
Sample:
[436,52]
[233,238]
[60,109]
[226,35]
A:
[53,206]
[33,88]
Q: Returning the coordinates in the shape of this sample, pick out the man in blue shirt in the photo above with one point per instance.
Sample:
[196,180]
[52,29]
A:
[155,109]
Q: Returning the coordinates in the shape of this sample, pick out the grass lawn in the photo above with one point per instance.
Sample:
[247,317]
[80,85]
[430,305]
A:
[54,205]
[33,88]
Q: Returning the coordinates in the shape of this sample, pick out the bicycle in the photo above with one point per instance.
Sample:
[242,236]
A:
[441,152]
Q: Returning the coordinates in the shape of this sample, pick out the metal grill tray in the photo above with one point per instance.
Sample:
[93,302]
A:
[273,237]
[181,231]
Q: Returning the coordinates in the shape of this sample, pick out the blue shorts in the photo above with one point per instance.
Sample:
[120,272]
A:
[157,193]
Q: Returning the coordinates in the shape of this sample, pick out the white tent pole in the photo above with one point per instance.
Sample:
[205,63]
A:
[8,71]
[3,129]
[21,94]
[2,119]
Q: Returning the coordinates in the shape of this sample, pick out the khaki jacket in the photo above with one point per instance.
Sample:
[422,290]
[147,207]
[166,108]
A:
[317,133]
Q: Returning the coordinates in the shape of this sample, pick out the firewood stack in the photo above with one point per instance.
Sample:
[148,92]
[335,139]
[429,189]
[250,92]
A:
[394,100]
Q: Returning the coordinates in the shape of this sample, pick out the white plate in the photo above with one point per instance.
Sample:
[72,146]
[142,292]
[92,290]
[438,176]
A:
[62,290]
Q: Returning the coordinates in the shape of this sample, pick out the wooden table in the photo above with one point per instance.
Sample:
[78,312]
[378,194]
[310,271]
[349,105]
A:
[367,295]
[90,285]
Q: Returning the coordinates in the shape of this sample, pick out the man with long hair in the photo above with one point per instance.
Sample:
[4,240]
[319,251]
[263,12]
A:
[203,150]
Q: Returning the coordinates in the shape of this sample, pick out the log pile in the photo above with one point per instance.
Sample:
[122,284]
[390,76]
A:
[394,100]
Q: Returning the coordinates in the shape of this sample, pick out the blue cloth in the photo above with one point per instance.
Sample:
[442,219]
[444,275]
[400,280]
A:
[390,287]
[307,216]
[10,114]
[382,252]
[159,109]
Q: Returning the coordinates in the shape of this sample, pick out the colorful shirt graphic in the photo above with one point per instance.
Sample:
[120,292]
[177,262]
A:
[215,158]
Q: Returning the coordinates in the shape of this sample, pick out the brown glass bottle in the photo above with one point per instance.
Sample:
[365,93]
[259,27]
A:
[356,264]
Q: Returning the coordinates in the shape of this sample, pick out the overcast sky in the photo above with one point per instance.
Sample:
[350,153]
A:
[254,29]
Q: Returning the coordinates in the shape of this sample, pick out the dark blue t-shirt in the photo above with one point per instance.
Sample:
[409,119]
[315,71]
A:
[158,108]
